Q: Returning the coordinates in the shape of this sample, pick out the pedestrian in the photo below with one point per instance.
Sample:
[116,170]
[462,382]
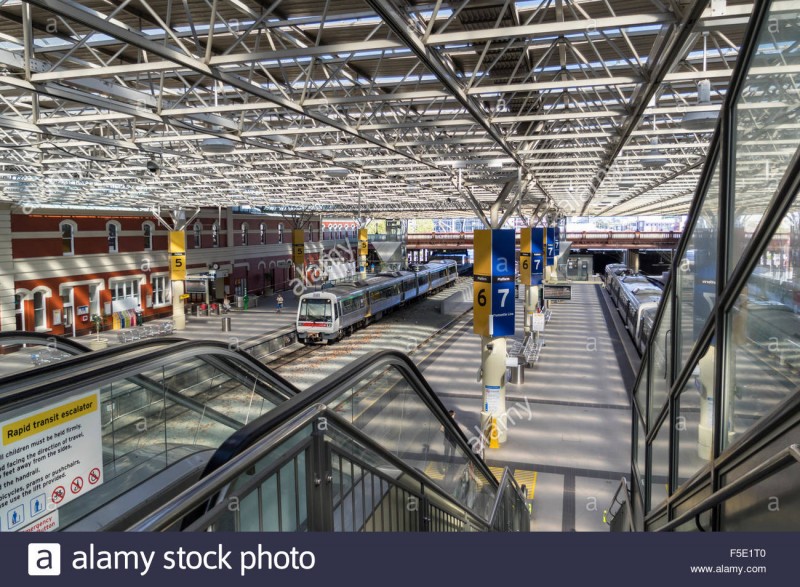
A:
[279,299]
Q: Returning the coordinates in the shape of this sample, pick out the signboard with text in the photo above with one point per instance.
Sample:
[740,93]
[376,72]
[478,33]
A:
[298,247]
[493,285]
[557,292]
[525,256]
[177,255]
[537,255]
[551,246]
[49,456]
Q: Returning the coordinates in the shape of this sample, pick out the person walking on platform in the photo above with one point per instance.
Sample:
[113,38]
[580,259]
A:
[279,300]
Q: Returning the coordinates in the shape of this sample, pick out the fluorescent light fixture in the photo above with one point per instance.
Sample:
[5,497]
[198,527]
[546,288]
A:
[337,171]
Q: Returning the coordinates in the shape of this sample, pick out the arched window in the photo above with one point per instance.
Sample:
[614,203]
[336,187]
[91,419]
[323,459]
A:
[215,235]
[113,228]
[147,233]
[39,311]
[198,235]
[244,234]
[68,228]
[262,233]
[280,232]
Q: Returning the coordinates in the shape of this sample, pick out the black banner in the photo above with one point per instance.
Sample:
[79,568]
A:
[120,559]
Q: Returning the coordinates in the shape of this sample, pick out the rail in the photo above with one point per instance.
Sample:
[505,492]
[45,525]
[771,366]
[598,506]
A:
[788,456]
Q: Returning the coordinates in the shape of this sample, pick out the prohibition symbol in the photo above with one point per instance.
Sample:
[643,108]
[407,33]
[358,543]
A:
[58,494]
[76,485]
[94,476]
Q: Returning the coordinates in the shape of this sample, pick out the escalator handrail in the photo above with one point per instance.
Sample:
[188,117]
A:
[209,486]
[318,393]
[506,479]
[79,376]
[83,357]
[43,337]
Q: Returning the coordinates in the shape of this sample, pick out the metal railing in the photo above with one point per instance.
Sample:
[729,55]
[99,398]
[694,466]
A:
[788,456]
[610,516]
[356,402]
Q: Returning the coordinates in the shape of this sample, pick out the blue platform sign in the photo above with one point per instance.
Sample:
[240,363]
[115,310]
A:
[537,256]
[494,282]
[551,246]
[557,241]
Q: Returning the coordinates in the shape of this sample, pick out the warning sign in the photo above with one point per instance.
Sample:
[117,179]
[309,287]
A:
[46,523]
[45,454]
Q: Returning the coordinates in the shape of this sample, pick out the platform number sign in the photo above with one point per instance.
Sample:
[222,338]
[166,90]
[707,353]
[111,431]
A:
[537,255]
[298,247]
[493,285]
[525,264]
[177,255]
[551,246]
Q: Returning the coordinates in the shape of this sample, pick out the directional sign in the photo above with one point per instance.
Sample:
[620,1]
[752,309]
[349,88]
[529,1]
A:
[551,246]
[537,256]
[493,285]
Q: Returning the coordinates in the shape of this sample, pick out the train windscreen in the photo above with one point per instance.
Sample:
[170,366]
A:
[315,310]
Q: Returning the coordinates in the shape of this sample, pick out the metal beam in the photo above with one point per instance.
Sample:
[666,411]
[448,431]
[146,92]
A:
[399,25]
[657,73]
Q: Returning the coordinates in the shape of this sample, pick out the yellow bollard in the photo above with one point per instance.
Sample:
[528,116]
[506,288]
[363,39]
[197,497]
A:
[494,434]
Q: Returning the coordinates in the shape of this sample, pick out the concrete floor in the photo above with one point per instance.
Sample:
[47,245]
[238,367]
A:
[572,426]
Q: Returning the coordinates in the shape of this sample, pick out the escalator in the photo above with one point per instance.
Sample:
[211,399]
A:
[157,412]
[363,450]
[187,428]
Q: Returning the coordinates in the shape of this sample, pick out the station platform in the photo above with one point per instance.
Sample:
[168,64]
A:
[570,445]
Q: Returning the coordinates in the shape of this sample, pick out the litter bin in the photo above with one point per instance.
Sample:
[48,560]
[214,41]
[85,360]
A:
[517,374]
[226,324]
[246,301]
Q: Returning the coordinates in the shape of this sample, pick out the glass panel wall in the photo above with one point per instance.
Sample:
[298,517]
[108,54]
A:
[754,315]
[764,337]
[696,273]
[694,425]
[766,133]
[661,363]
[658,485]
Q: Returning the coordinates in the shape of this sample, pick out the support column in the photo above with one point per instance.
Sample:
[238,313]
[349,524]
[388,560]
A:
[363,250]
[177,276]
[633,259]
[493,371]
[494,319]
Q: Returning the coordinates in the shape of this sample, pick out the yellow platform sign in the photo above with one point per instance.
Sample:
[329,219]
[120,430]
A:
[525,246]
[298,247]
[177,266]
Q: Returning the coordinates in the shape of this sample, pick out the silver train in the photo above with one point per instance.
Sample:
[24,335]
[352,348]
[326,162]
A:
[330,315]
[636,298]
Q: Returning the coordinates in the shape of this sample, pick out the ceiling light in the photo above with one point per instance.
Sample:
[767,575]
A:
[657,158]
[337,171]
[700,119]
[217,146]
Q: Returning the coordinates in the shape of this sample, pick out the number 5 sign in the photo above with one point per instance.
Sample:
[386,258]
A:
[493,285]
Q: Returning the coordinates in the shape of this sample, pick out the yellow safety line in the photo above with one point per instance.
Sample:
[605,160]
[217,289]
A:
[497,472]
[433,471]
[528,479]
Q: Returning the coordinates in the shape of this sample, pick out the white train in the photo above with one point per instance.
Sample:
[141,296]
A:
[331,314]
